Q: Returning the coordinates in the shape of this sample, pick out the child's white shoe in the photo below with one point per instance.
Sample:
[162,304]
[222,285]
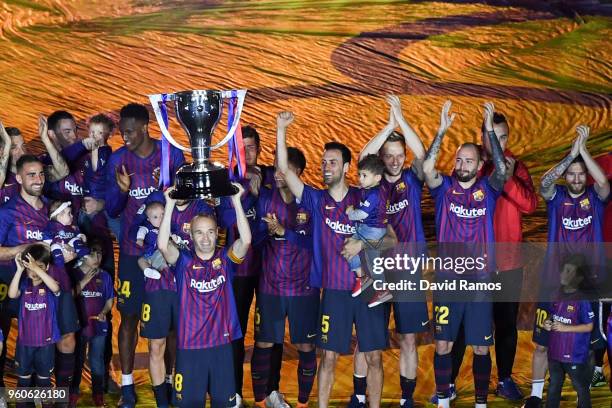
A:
[152,273]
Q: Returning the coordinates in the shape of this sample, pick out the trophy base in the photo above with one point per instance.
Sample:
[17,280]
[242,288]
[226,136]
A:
[212,182]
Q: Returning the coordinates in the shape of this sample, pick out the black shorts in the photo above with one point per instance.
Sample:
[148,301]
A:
[272,310]
[131,287]
[67,316]
[159,314]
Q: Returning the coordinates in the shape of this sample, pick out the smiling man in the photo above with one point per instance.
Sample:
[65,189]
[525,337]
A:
[130,179]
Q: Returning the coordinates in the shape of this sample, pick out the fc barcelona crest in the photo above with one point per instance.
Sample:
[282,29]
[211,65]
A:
[478,195]
[400,187]
[301,217]
[216,264]
[585,204]
[570,308]
[186,228]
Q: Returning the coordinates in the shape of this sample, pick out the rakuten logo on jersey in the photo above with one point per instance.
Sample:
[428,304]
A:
[74,189]
[340,228]
[91,293]
[463,212]
[561,319]
[397,207]
[207,286]
[579,223]
[33,307]
[141,193]
[37,235]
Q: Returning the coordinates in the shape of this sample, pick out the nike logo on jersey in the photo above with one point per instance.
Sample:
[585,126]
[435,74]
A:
[310,336]
[424,323]
[456,192]
[488,337]
[330,207]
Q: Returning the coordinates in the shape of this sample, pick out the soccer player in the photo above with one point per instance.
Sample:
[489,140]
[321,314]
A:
[56,170]
[519,197]
[38,328]
[5,152]
[252,150]
[464,209]
[575,217]
[330,270]
[284,287]
[95,296]
[22,220]
[208,321]
[403,186]
[129,180]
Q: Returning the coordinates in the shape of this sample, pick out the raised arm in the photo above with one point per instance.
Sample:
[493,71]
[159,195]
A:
[6,151]
[497,179]
[430,173]
[296,186]
[602,185]
[413,141]
[547,183]
[241,245]
[59,168]
[375,144]
[13,290]
[170,252]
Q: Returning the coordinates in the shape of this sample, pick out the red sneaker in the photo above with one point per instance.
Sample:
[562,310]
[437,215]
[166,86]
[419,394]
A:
[98,400]
[361,284]
[380,297]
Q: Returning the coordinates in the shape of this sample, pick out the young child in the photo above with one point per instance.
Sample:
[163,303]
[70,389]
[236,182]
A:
[61,234]
[570,333]
[95,296]
[371,215]
[152,262]
[101,128]
[38,327]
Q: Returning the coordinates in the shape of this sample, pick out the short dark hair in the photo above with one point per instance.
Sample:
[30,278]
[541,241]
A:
[476,147]
[135,111]
[13,131]
[578,160]
[39,252]
[54,119]
[296,158]
[498,118]
[103,119]
[372,163]
[25,159]
[249,132]
[396,137]
[346,153]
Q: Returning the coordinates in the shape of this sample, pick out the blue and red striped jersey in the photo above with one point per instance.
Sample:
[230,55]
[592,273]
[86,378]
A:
[578,219]
[404,206]
[373,202]
[207,308]
[286,260]
[37,315]
[331,226]
[91,302]
[142,184]
[94,183]
[226,217]
[570,347]
[10,188]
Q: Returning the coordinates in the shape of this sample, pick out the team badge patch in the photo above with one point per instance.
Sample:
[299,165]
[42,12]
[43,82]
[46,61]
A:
[41,291]
[186,228]
[570,308]
[98,281]
[585,204]
[478,195]
[400,187]
[301,217]
[216,264]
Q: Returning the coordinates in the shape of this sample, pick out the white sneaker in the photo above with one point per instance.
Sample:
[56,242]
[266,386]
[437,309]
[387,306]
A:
[2,402]
[276,400]
[152,273]
[238,401]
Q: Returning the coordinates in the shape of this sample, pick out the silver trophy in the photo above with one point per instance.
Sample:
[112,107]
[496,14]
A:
[199,113]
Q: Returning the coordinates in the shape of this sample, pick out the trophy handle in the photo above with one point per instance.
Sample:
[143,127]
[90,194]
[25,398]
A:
[155,102]
[240,94]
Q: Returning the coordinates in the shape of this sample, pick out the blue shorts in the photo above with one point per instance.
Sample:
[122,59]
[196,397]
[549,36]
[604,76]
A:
[67,316]
[301,311]
[477,318]
[159,314]
[39,360]
[131,287]
[598,341]
[203,371]
[8,307]
[410,317]
[540,335]
[339,310]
